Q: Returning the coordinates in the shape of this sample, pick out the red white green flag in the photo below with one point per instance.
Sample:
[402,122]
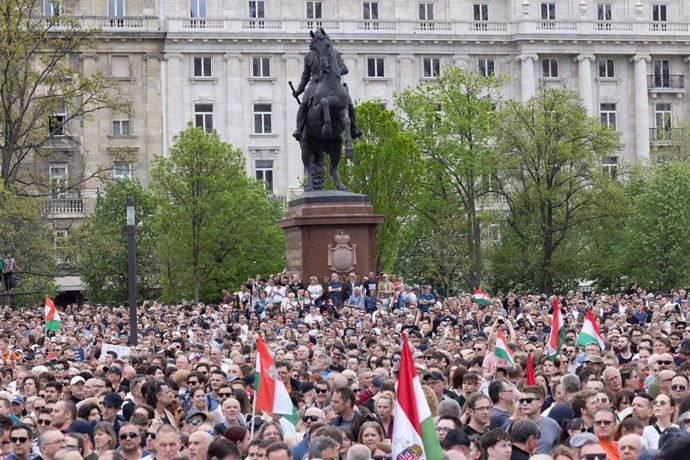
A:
[502,350]
[271,394]
[482,298]
[414,432]
[52,317]
[590,332]
[557,337]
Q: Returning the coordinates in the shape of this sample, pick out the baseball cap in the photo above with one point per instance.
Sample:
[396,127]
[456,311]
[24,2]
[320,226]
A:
[112,400]
[17,399]
[580,439]
[194,412]
[76,380]
[114,369]
[435,375]
[455,437]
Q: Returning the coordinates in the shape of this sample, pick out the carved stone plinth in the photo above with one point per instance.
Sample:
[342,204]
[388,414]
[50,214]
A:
[330,231]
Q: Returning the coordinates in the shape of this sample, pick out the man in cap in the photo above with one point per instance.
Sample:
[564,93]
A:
[76,385]
[110,405]
[81,429]
[456,439]
[586,443]
[17,405]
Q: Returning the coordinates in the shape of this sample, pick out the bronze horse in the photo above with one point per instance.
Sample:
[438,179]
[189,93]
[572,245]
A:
[327,119]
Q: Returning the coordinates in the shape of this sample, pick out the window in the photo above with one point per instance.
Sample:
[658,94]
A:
[198,9]
[121,128]
[119,66]
[375,67]
[659,17]
[607,68]
[662,116]
[203,116]
[202,66]
[314,11]
[426,15]
[257,10]
[609,166]
[116,8]
[56,123]
[52,7]
[59,179]
[662,73]
[607,111]
[261,67]
[432,67]
[549,68]
[60,241]
[263,170]
[370,13]
[481,15]
[262,119]
[548,11]
[486,66]
[604,12]
[122,171]
[494,233]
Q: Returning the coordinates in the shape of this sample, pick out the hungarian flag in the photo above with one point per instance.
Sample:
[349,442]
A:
[271,394]
[502,351]
[590,332]
[52,320]
[557,337]
[482,298]
[531,378]
[414,432]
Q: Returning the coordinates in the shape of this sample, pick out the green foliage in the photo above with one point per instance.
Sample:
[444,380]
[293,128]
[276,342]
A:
[41,73]
[656,238]
[549,174]
[103,245]
[216,224]
[388,168]
[25,233]
[452,122]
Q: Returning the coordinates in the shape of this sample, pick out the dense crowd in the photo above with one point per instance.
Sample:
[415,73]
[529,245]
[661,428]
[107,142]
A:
[186,389]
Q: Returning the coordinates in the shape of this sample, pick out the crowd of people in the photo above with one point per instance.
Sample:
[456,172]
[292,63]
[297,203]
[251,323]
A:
[185,390]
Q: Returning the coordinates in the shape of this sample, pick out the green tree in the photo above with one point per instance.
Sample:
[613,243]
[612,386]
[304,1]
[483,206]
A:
[656,240]
[103,246]
[41,75]
[25,233]
[388,168]
[216,223]
[452,123]
[549,174]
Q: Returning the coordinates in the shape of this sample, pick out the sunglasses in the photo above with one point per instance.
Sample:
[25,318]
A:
[124,436]
[527,400]
[226,395]
[44,422]
[593,457]
[603,422]
[193,382]
[19,439]
[660,403]
[678,387]
[321,390]
[151,435]
[196,422]
[310,418]
[664,363]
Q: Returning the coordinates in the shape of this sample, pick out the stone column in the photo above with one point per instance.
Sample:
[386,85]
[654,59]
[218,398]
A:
[527,81]
[235,99]
[406,72]
[175,115]
[641,108]
[584,68]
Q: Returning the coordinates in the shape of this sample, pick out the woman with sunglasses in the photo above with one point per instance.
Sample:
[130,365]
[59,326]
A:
[380,451]
[664,411]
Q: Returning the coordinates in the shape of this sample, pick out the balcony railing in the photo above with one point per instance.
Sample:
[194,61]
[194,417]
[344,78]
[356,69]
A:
[664,135]
[666,82]
[563,28]
[61,208]
[112,23]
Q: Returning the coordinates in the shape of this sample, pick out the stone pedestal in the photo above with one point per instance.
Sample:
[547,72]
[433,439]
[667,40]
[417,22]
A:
[330,232]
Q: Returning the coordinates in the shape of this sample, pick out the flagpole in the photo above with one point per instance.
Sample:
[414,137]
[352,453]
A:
[251,435]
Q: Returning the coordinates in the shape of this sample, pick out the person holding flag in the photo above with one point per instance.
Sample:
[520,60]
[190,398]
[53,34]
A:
[271,394]
[52,317]
[557,337]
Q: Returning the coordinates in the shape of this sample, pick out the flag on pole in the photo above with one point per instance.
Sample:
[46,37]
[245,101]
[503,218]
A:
[531,379]
[590,332]
[52,317]
[482,298]
[271,394]
[557,337]
[502,351]
[414,432]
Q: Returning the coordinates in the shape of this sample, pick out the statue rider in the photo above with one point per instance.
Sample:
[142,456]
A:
[311,68]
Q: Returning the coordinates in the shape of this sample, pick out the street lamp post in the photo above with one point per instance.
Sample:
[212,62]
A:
[132,271]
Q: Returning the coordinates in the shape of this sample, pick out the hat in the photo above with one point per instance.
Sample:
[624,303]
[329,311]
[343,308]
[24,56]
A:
[114,369]
[580,439]
[77,379]
[112,400]
[435,375]
[306,386]
[79,426]
[17,399]
[378,381]
[194,412]
[594,359]
[455,437]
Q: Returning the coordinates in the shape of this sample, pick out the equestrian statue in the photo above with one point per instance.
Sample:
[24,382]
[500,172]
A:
[325,114]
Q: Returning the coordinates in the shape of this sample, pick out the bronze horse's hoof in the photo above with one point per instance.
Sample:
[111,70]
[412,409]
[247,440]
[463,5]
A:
[349,153]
